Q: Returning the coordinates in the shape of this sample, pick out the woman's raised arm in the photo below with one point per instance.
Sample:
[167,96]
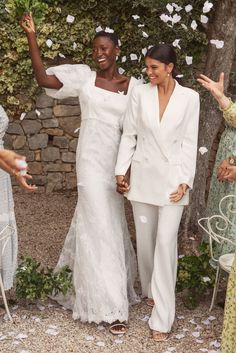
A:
[44,80]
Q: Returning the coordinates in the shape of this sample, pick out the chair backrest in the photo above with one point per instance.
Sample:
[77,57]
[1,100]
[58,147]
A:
[216,225]
[5,236]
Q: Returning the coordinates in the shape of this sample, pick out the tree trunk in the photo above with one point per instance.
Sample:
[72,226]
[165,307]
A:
[222,27]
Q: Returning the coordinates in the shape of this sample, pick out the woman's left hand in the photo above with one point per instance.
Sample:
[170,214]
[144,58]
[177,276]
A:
[22,181]
[230,173]
[177,195]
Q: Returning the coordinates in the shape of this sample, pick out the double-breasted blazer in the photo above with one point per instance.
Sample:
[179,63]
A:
[162,154]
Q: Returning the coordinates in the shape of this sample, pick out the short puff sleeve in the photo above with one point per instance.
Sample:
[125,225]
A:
[73,77]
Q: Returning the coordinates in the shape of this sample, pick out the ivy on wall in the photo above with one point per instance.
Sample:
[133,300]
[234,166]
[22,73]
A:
[139,24]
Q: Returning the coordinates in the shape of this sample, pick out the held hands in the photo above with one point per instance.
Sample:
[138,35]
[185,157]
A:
[216,88]
[230,173]
[27,23]
[122,184]
[222,170]
[177,195]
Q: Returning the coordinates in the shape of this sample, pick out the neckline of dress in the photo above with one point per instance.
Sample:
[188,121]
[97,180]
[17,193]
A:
[106,90]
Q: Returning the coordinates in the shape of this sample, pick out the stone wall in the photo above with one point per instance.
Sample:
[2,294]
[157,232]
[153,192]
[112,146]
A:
[48,138]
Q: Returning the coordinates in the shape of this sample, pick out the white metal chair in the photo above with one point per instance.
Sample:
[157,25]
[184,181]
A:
[216,225]
[5,236]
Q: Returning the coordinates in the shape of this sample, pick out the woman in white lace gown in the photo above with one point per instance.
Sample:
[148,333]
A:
[98,247]
[8,254]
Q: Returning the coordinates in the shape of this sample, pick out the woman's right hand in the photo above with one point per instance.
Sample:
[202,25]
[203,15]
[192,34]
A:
[27,23]
[215,87]
[122,185]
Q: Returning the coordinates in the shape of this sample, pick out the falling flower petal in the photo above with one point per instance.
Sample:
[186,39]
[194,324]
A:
[141,25]
[119,43]
[121,70]
[165,18]
[133,57]
[109,30]
[135,17]
[61,55]
[206,279]
[177,7]
[204,19]
[49,43]
[203,150]
[144,51]
[99,29]
[74,45]
[189,60]
[218,43]
[188,8]
[22,116]
[207,7]
[76,130]
[194,25]
[170,8]
[176,43]
[37,112]
[70,19]
[143,219]
[117,341]
[145,35]
[179,76]
[176,18]
[123,59]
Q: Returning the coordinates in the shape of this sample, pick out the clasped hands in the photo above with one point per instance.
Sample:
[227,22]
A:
[122,186]
[226,172]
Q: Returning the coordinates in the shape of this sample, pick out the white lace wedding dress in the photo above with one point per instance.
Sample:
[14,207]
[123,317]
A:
[98,247]
[8,252]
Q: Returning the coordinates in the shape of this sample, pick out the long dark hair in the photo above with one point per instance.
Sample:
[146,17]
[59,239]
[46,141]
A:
[112,36]
[164,53]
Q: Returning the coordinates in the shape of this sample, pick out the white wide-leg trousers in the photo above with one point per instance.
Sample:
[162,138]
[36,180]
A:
[156,235]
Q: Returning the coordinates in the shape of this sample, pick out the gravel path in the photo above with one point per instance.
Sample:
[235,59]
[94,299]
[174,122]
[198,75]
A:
[43,222]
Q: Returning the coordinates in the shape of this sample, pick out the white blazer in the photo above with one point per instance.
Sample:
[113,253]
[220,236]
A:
[162,153]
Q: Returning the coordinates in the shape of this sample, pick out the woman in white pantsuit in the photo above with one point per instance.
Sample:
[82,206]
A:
[159,141]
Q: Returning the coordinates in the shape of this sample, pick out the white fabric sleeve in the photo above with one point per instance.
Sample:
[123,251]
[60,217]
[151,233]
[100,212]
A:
[129,136]
[72,77]
[190,141]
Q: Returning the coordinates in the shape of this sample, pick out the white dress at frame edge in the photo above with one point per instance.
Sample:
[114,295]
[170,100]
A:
[98,246]
[7,217]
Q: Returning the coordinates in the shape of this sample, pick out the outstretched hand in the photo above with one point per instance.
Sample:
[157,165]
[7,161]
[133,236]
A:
[215,87]
[27,23]
[22,181]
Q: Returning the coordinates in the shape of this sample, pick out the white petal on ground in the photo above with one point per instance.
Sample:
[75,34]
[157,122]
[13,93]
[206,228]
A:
[117,341]
[70,19]
[170,8]
[143,219]
[194,25]
[101,327]
[21,336]
[135,17]
[176,43]
[37,112]
[49,43]
[145,318]
[76,130]
[207,7]
[89,338]
[24,351]
[121,70]
[215,344]
[211,318]
[100,344]
[176,18]
[196,334]
[53,327]
[218,43]
[203,150]
[189,60]
[99,29]
[123,59]
[203,349]
[133,57]
[145,35]
[109,30]
[206,322]
[2,338]
[15,343]
[188,8]
[22,116]
[204,19]
[61,55]
[185,330]
[180,336]
[199,341]
[52,332]
[171,349]
[41,307]
[192,321]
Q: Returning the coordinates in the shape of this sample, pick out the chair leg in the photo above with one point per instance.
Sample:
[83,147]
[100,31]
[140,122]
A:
[216,286]
[5,299]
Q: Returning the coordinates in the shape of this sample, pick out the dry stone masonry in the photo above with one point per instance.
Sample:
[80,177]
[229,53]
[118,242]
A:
[48,138]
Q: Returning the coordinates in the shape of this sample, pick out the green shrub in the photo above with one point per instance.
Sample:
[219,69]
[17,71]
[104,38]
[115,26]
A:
[35,282]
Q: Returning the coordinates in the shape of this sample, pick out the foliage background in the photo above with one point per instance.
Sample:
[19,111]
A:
[17,85]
